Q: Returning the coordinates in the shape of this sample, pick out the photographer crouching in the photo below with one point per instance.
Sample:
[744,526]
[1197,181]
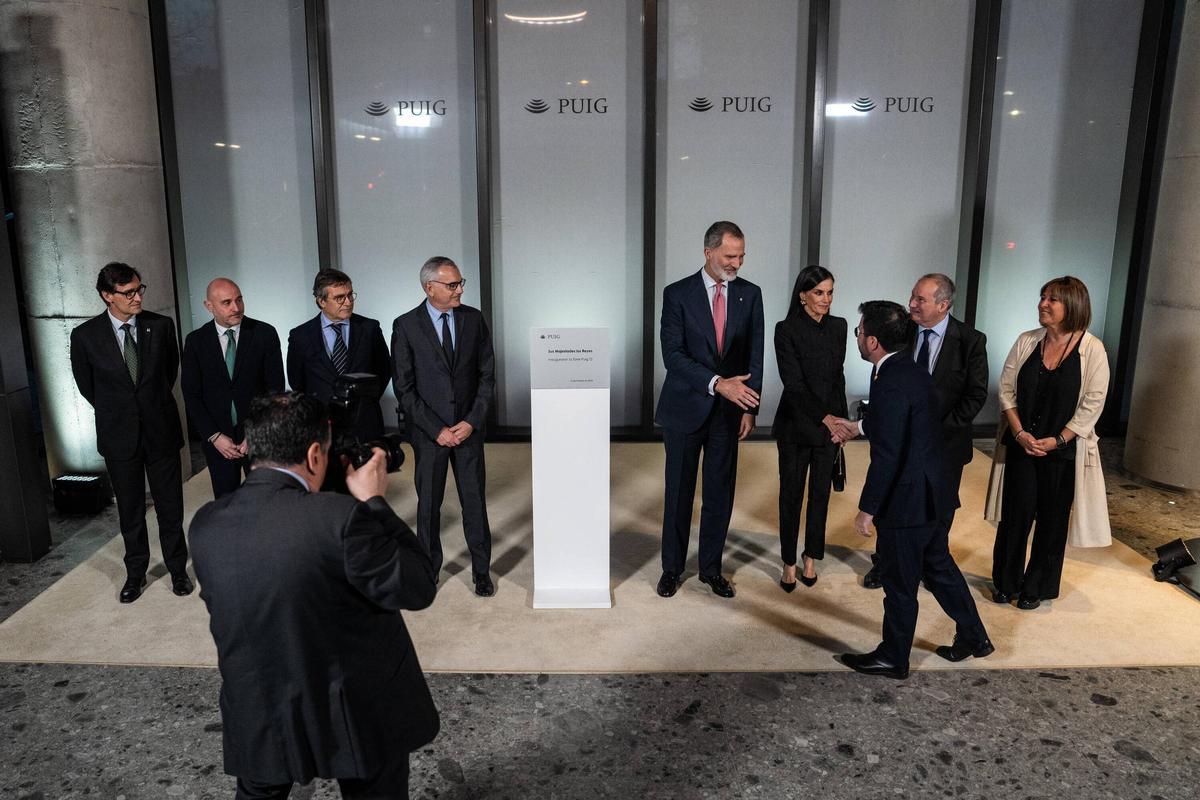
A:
[319,675]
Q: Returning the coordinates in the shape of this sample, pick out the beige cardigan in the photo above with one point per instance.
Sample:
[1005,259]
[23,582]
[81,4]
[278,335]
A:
[1089,515]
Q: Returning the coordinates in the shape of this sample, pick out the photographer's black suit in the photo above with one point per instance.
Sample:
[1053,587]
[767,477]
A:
[319,675]
[311,370]
[435,393]
[209,393]
[137,430]
[907,492]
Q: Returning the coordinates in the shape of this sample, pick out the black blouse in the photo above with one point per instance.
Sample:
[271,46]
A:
[810,355]
[1047,398]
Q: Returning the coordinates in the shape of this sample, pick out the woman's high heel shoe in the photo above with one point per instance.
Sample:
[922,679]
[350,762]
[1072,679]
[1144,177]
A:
[807,581]
[787,587]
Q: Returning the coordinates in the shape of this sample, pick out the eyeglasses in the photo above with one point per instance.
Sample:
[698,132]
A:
[453,286]
[129,295]
[857,330]
[343,299]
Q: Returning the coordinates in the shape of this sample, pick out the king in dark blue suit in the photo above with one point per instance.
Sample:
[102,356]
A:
[905,495]
[712,344]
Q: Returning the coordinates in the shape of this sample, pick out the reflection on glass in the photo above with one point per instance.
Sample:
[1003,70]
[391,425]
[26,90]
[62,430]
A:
[559,20]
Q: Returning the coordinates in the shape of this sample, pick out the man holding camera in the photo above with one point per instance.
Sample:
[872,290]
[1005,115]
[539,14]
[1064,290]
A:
[303,587]
[443,373]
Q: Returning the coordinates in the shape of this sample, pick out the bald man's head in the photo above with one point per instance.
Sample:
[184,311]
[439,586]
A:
[224,301]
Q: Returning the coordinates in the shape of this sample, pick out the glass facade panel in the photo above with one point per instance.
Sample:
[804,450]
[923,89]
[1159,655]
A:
[731,142]
[1064,83]
[404,137]
[568,188]
[894,138]
[240,85]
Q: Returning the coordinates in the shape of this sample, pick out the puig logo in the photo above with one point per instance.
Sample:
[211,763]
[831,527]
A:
[570,105]
[736,104]
[377,109]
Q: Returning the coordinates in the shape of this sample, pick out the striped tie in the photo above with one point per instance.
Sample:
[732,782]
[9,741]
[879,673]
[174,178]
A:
[130,353]
[340,355]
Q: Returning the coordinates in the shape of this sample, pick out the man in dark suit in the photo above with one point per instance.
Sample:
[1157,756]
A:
[955,354]
[226,363]
[444,375]
[335,342]
[712,344]
[125,362]
[303,589]
[906,496]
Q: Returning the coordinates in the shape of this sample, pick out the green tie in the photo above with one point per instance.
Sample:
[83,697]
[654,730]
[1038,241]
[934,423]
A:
[130,353]
[230,358]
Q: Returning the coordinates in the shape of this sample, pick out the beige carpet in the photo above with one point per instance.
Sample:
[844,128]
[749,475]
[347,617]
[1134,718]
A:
[1111,614]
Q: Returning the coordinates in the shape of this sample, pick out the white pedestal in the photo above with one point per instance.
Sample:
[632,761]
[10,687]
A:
[570,436]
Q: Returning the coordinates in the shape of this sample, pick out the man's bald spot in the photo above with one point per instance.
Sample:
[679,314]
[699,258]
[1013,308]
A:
[217,284]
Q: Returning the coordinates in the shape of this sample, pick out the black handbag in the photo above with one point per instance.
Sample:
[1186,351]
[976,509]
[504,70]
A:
[839,470]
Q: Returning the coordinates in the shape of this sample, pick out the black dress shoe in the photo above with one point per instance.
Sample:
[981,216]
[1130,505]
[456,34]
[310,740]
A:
[807,581]
[871,664]
[960,650]
[787,587]
[1028,603]
[668,584]
[182,586]
[1001,597]
[132,589]
[483,584]
[720,586]
[871,580]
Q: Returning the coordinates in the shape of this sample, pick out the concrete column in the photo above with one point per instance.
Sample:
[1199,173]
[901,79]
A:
[1163,443]
[77,106]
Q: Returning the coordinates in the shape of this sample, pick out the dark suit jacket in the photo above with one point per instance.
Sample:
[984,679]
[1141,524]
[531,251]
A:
[689,347]
[127,414]
[208,391]
[319,673]
[960,376]
[433,393]
[310,369]
[811,357]
[906,483]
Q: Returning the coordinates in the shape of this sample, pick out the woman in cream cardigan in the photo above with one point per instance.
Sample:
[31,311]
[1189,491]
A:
[1052,390]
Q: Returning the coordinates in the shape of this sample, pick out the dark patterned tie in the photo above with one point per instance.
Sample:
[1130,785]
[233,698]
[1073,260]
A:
[923,352]
[230,359]
[340,355]
[130,352]
[447,342]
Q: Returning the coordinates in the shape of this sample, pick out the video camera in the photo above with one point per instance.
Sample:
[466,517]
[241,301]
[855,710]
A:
[348,394]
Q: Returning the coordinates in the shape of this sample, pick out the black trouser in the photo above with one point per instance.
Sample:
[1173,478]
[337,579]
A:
[1041,489]
[129,478]
[796,462]
[906,556]
[470,476]
[953,473]
[391,783]
[717,438]
[226,474]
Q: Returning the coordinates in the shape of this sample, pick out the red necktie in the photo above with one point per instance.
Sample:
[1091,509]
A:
[719,317]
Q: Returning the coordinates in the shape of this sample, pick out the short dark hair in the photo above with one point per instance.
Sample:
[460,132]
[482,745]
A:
[888,322]
[716,233]
[326,278]
[1077,303]
[112,275]
[807,280]
[283,425]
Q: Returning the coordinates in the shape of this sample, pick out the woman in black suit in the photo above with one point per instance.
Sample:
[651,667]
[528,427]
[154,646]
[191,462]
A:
[810,346]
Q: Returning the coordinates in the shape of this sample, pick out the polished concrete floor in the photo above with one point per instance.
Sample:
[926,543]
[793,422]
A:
[121,732]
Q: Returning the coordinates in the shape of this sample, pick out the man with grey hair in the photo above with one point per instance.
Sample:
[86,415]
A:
[955,354]
[443,373]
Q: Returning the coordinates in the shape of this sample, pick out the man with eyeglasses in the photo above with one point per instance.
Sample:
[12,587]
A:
[335,342]
[125,362]
[443,375]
